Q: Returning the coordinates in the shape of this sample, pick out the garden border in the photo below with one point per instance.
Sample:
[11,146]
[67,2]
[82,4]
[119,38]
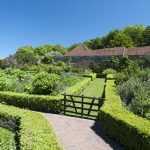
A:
[32,130]
[41,103]
[125,127]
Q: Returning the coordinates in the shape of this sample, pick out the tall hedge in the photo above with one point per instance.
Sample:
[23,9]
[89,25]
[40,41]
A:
[125,127]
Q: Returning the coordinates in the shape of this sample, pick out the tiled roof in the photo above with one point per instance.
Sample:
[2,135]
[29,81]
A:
[107,52]
[119,51]
[78,51]
[138,51]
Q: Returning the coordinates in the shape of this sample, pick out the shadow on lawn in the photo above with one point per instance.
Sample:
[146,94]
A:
[98,130]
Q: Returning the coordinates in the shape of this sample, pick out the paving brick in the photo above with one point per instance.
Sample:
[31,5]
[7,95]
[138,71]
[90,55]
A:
[80,134]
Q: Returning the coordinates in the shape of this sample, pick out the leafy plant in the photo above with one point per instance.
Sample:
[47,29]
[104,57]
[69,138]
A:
[44,83]
[109,71]
[115,119]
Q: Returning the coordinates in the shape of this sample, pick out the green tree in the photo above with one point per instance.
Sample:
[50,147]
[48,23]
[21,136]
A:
[73,46]
[47,60]
[26,55]
[1,61]
[117,38]
[60,49]
[135,33]
[146,36]
[41,50]
[9,61]
[95,43]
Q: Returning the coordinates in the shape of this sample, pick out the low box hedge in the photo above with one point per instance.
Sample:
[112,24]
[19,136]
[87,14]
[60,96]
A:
[33,131]
[7,139]
[33,102]
[41,103]
[79,87]
[125,127]
[110,76]
[92,76]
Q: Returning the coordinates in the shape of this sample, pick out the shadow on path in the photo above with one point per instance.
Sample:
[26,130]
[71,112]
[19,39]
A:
[80,134]
[98,130]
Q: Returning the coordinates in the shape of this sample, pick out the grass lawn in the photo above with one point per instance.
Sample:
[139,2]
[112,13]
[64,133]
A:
[7,139]
[95,89]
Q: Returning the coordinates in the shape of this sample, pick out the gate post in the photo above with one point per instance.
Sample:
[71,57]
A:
[82,106]
[64,103]
[99,103]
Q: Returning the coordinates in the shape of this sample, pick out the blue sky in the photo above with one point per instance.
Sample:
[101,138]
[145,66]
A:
[39,22]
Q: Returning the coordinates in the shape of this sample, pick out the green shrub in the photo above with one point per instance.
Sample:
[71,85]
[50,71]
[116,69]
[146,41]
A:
[72,79]
[92,76]
[67,80]
[7,139]
[33,130]
[44,83]
[135,93]
[41,102]
[87,71]
[110,76]
[133,70]
[134,87]
[128,129]
[109,71]
[15,80]
[33,102]
[78,87]
[55,69]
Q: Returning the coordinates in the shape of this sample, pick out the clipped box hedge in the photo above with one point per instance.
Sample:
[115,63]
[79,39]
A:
[125,127]
[92,76]
[7,139]
[33,102]
[78,87]
[41,103]
[110,76]
[33,132]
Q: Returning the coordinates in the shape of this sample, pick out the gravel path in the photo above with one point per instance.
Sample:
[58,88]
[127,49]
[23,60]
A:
[80,134]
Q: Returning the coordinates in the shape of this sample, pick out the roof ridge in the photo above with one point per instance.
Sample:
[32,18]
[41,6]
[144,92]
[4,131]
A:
[82,50]
[85,47]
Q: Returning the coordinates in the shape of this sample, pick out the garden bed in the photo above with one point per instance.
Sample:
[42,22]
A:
[41,103]
[125,127]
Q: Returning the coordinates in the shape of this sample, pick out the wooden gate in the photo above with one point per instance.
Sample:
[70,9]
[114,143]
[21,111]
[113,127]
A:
[81,106]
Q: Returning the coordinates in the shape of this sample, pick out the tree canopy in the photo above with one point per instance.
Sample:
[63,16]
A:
[26,55]
[146,36]
[130,36]
[135,33]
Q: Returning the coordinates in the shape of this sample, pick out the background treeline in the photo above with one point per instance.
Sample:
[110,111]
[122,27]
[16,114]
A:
[27,56]
[130,36]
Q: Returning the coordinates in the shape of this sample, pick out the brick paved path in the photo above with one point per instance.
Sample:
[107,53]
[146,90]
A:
[80,134]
